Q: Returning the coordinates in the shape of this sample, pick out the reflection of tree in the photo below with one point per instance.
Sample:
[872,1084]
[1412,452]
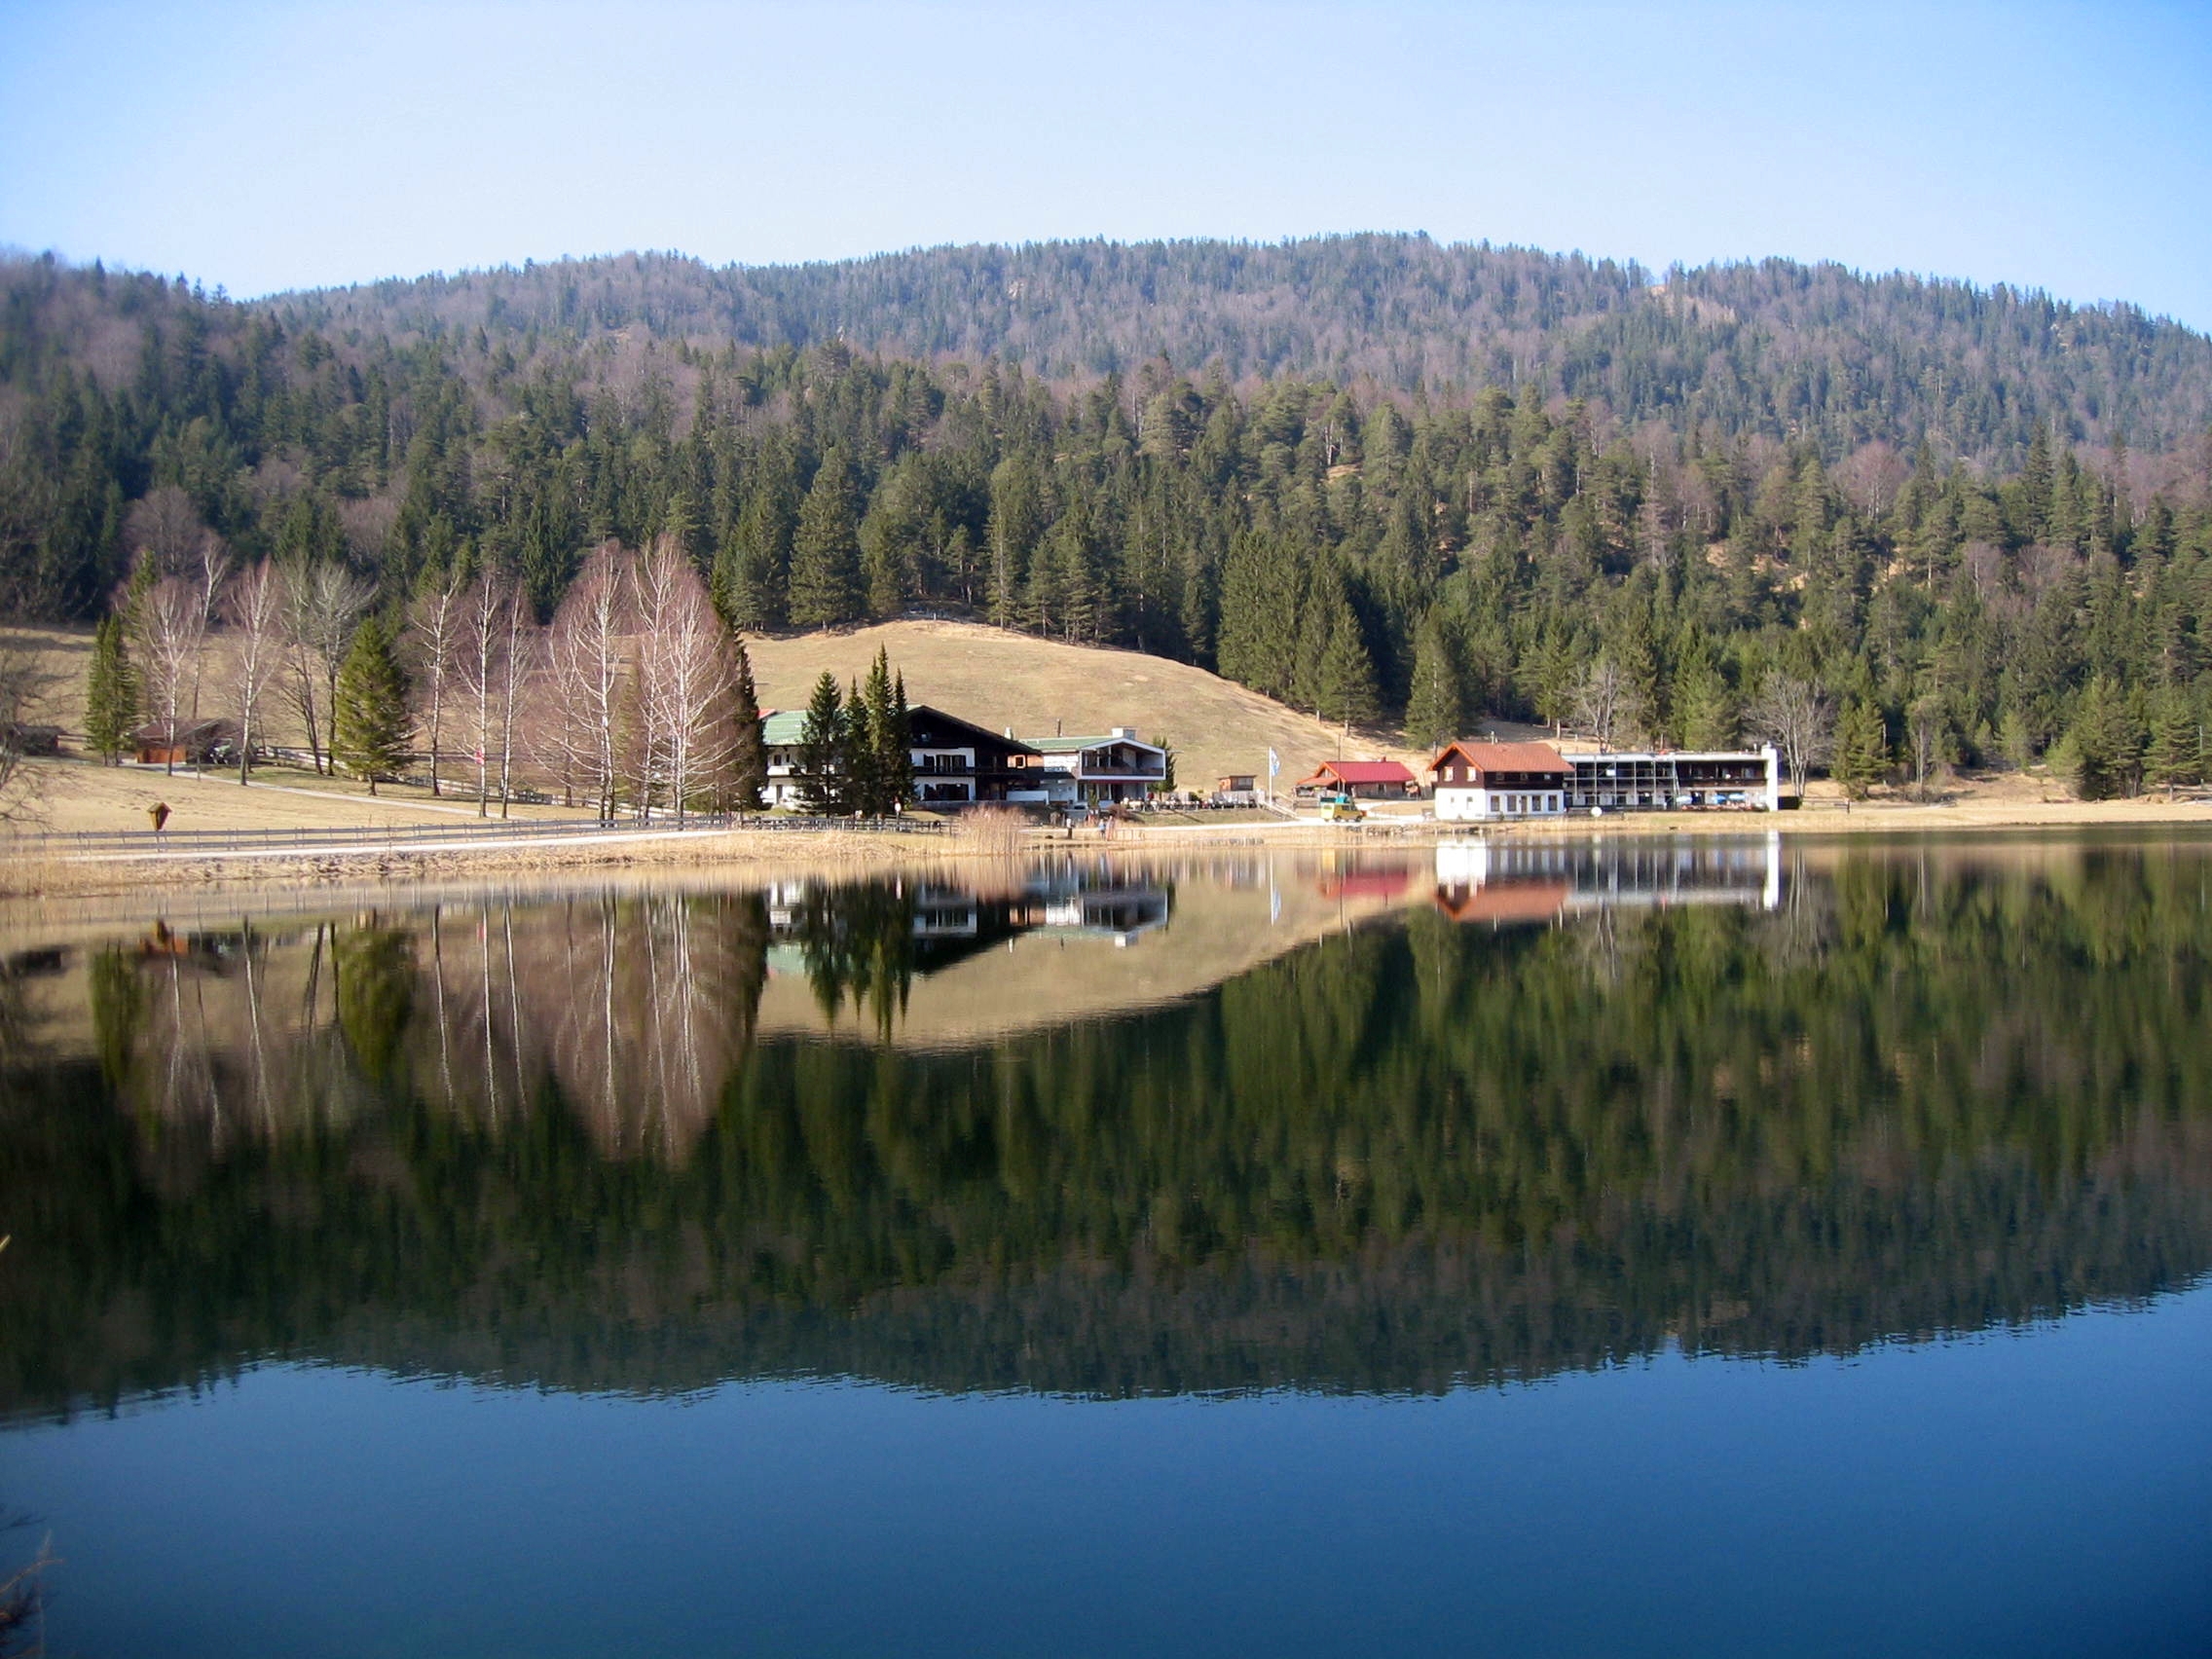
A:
[636,1011]
[648,1010]
[1931,1097]
[119,1011]
[859,942]
[374,966]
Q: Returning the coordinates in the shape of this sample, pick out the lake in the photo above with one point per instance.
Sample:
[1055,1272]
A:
[1643,1245]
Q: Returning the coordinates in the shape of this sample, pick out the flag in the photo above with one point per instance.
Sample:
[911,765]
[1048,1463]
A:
[1274,763]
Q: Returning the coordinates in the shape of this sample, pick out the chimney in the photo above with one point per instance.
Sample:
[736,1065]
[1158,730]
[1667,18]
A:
[1128,734]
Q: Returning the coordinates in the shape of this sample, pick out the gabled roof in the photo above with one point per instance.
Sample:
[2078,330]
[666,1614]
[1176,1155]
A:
[787,728]
[1504,757]
[921,711]
[1362,772]
[1073,744]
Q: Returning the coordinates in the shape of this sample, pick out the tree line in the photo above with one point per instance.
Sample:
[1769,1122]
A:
[1436,558]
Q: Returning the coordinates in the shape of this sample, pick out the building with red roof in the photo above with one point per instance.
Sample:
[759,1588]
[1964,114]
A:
[1366,779]
[1499,780]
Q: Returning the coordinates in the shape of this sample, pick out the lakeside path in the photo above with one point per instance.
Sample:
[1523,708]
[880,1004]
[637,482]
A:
[35,870]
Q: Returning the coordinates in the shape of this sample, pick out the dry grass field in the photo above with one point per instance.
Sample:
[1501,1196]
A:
[74,795]
[998,680]
[987,674]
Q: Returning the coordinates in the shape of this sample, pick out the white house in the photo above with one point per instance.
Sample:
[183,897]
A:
[1114,767]
[1483,781]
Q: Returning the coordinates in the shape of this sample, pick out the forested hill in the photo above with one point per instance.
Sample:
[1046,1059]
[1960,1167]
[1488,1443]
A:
[1774,348]
[1947,523]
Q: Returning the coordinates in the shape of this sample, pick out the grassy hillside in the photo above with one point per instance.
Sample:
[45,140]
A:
[999,678]
[991,676]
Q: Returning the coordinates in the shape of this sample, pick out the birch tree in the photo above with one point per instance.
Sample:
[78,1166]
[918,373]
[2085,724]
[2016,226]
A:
[254,610]
[323,606]
[584,670]
[485,670]
[686,671]
[170,625]
[434,628]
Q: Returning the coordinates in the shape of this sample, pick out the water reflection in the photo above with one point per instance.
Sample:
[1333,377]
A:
[1235,1125]
[1504,882]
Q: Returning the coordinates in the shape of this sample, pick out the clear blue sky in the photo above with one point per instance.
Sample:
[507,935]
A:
[2055,146]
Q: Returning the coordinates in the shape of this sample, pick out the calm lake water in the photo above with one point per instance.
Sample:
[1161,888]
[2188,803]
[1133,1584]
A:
[1636,1247]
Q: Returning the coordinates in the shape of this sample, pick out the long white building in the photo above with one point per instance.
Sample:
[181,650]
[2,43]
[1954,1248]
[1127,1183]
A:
[1477,782]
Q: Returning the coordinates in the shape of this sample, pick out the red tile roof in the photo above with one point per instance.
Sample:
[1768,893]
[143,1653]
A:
[1504,901]
[1504,757]
[1362,772]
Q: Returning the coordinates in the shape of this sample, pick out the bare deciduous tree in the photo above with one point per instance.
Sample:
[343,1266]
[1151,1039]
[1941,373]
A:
[584,662]
[685,672]
[492,662]
[254,610]
[1928,726]
[165,527]
[323,606]
[1605,703]
[1796,717]
[1873,477]
[211,563]
[26,682]
[434,625]
[169,625]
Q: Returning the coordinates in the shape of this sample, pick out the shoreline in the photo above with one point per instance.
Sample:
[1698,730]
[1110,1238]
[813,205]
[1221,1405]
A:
[34,872]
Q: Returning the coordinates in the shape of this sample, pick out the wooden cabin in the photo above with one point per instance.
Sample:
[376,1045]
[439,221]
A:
[1363,780]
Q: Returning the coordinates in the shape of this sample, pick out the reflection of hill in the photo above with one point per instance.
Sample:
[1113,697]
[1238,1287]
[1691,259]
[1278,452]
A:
[1916,1097]
[1096,938]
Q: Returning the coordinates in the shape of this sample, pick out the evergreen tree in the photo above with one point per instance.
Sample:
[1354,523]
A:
[1705,708]
[2106,742]
[111,692]
[881,762]
[748,753]
[2171,759]
[1326,614]
[898,786]
[1437,710]
[1861,748]
[1348,692]
[751,576]
[1261,585]
[821,744]
[825,553]
[372,727]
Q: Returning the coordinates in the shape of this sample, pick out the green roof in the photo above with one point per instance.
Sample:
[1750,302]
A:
[1070,745]
[782,726]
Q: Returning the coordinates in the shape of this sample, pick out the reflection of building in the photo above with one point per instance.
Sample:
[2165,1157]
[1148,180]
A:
[1093,769]
[1121,912]
[1357,881]
[928,926]
[1535,881]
